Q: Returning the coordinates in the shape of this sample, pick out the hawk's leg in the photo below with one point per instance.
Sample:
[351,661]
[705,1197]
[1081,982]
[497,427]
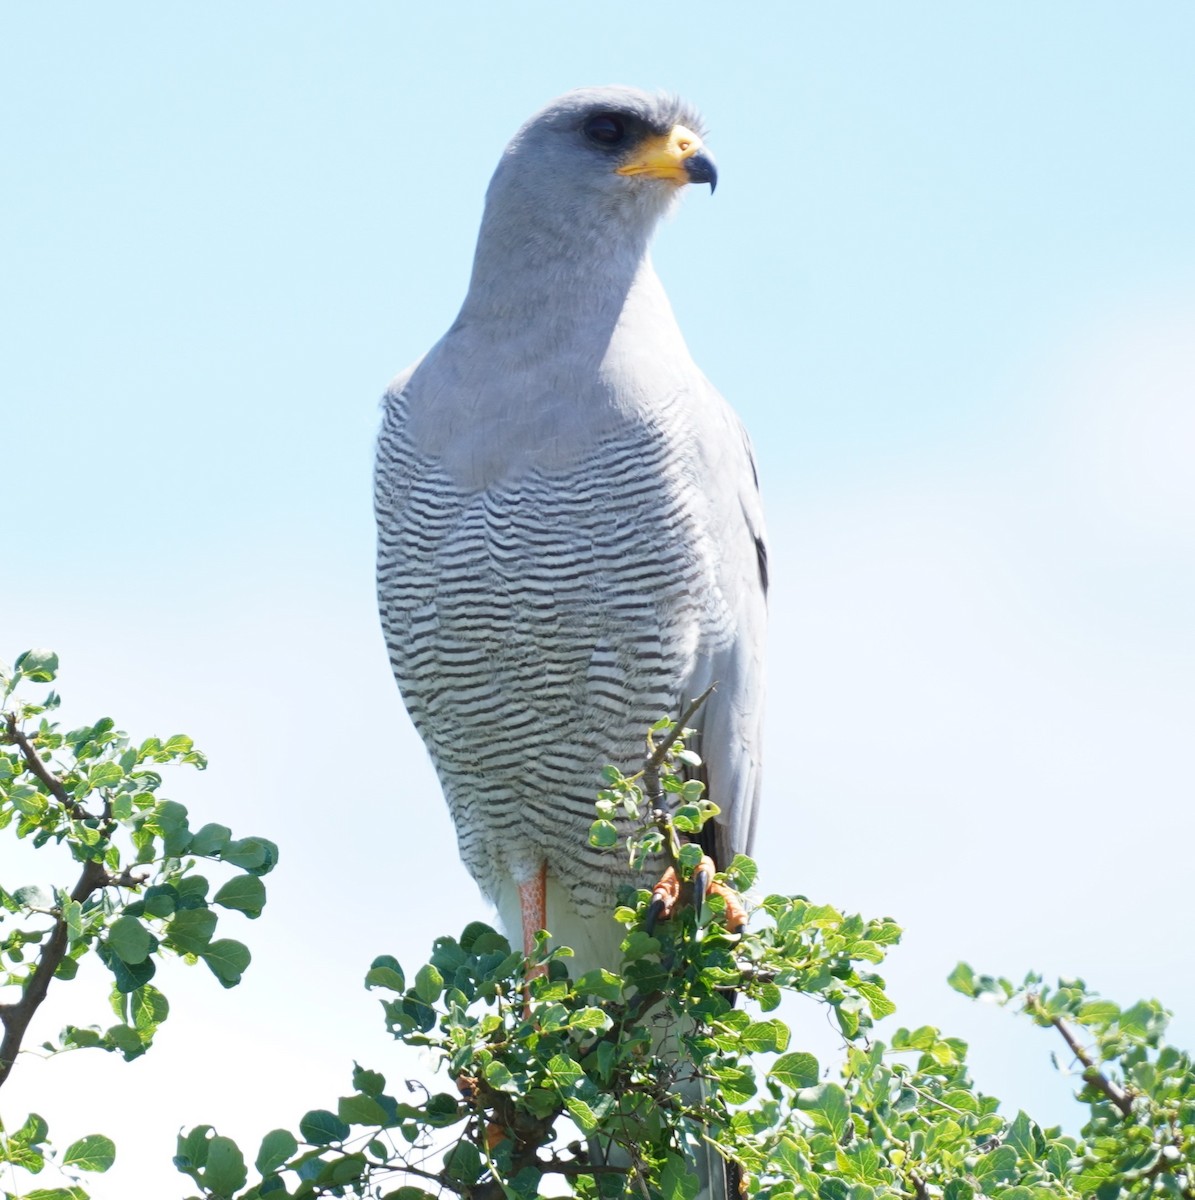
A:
[668,893]
[533,906]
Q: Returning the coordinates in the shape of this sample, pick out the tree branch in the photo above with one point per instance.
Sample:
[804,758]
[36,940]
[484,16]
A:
[33,761]
[16,1017]
[1091,1072]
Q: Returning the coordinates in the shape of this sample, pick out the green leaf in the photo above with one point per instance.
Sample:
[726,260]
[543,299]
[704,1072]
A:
[191,930]
[32,1133]
[91,1153]
[385,972]
[564,1071]
[498,1076]
[192,891]
[228,960]
[369,1083]
[688,858]
[470,934]
[104,775]
[169,821]
[590,1018]
[999,1164]
[463,1163]
[687,818]
[244,893]
[210,840]
[962,979]
[1020,1137]
[38,666]
[257,855]
[149,1009]
[276,1148]
[225,1171]
[72,917]
[442,1110]
[128,977]
[360,1110]
[160,900]
[33,896]
[130,940]
[678,1180]
[742,871]
[601,983]
[320,1128]
[603,835]
[877,1001]
[429,983]
[796,1071]
[582,1114]
[765,1036]
[828,1106]
[125,1039]
[192,1148]
[833,1189]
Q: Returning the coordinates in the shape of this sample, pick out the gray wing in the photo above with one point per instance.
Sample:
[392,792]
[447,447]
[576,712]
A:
[731,723]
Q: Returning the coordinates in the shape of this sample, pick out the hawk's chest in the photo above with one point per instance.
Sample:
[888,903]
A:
[549,557]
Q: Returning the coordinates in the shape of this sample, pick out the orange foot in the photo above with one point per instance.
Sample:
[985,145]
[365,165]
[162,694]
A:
[667,894]
[533,905]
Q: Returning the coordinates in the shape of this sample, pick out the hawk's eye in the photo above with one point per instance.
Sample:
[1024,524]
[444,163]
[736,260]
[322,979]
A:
[606,129]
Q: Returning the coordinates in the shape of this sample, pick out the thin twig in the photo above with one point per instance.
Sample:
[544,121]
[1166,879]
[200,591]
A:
[651,770]
[1091,1072]
[33,761]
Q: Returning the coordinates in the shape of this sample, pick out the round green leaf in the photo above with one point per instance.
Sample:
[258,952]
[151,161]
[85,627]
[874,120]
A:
[104,775]
[429,983]
[385,972]
[225,1171]
[463,1163]
[130,940]
[38,666]
[191,930]
[828,1105]
[276,1148]
[245,893]
[320,1127]
[603,835]
[211,839]
[91,1153]
[228,960]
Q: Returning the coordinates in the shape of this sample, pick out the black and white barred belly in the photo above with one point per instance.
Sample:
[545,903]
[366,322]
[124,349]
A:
[536,628]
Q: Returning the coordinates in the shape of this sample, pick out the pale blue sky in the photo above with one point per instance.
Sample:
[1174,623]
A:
[949,281]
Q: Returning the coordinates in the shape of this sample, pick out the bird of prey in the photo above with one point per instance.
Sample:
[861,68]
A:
[570,540]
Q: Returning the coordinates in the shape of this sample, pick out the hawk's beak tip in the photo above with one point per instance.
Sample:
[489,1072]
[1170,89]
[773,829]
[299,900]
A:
[700,168]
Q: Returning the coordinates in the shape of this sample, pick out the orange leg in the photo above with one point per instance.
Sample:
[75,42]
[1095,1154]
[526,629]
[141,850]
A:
[533,904]
[667,894]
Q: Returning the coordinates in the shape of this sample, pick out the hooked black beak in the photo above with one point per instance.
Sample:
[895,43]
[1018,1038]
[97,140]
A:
[700,169]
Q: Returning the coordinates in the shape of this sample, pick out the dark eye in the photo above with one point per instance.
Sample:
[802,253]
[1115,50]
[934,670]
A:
[606,129]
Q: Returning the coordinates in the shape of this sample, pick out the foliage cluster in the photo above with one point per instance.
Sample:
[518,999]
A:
[612,1083]
[137,897]
[616,1083]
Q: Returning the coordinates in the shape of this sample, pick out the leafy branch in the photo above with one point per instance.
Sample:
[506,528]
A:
[137,897]
[679,1052]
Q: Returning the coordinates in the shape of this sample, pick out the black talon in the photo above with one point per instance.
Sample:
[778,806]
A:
[653,915]
[701,886]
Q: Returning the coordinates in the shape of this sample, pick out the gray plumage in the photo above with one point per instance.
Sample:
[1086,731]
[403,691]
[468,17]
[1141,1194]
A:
[570,541]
